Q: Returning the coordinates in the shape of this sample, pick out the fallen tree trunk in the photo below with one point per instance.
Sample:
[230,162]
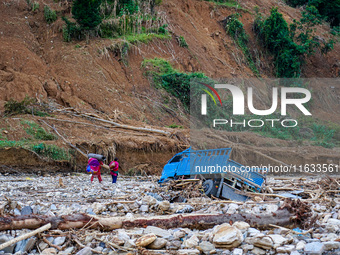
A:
[194,221]
[127,126]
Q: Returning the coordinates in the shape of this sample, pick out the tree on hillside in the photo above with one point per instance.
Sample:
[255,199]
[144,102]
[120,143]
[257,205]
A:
[330,10]
[86,13]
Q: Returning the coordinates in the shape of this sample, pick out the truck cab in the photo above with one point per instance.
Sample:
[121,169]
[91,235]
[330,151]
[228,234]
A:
[178,165]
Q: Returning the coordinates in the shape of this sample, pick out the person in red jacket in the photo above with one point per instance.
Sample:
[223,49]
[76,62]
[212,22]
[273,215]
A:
[114,165]
[94,166]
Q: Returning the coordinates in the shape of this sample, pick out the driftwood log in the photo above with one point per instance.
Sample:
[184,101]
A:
[282,218]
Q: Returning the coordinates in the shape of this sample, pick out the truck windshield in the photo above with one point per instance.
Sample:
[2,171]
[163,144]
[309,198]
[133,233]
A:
[176,159]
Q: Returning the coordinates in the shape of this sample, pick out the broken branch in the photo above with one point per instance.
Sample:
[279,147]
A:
[25,236]
[70,144]
[127,126]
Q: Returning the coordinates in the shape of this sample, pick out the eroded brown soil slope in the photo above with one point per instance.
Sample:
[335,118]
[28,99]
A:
[35,61]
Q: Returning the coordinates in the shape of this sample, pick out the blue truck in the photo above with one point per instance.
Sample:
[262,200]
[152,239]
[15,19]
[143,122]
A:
[222,177]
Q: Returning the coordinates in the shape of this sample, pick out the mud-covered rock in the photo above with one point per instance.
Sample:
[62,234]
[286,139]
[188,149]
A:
[145,240]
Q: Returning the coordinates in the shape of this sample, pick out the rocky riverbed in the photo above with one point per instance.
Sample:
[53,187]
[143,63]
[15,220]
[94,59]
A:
[134,197]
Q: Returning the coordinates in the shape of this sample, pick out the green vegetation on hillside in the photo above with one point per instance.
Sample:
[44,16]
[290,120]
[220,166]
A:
[235,29]
[135,20]
[50,15]
[26,106]
[36,134]
[226,3]
[290,44]
[51,151]
[145,38]
[329,10]
[37,131]
[182,42]
[86,13]
[173,81]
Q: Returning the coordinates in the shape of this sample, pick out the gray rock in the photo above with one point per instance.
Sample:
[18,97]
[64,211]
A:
[36,209]
[311,240]
[158,244]
[191,242]
[122,235]
[17,211]
[333,221]
[206,247]
[99,249]
[332,228]
[329,237]
[144,208]
[49,251]
[25,245]
[85,251]
[227,236]
[247,247]
[50,214]
[314,248]
[241,225]
[67,251]
[258,251]
[5,238]
[129,216]
[129,244]
[88,239]
[285,249]
[59,240]
[295,253]
[157,231]
[149,200]
[186,209]
[253,231]
[232,208]
[27,210]
[278,240]
[188,252]
[164,206]
[178,234]
[174,245]
[237,251]
[90,211]
[261,241]
[76,207]
[155,195]
[332,245]
[53,207]
[106,251]
[270,208]
[42,245]
[300,245]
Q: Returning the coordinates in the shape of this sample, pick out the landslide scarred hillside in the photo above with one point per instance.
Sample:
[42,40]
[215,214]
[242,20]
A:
[35,61]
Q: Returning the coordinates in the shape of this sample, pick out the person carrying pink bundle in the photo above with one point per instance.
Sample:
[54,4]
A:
[93,167]
[114,165]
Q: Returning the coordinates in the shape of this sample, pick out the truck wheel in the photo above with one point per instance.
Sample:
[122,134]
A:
[209,187]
